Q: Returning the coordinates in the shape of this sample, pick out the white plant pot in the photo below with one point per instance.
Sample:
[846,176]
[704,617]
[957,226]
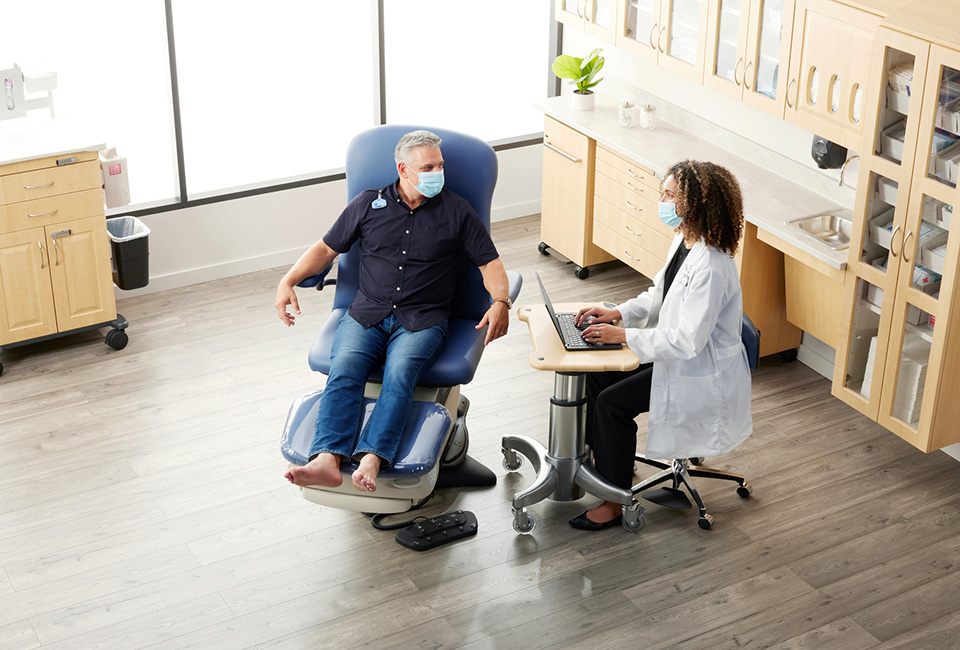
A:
[582,101]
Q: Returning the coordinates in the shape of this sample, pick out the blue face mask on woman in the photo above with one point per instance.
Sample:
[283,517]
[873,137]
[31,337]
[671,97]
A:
[430,183]
[668,214]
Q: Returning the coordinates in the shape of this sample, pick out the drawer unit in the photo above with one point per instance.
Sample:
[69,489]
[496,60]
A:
[630,252]
[54,248]
[51,181]
[631,229]
[630,169]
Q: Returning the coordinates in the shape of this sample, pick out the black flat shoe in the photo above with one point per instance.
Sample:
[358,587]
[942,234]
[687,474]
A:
[581,522]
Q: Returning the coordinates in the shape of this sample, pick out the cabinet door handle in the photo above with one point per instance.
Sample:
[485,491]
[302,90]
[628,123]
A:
[735,69]
[37,187]
[746,75]
[578,8]
[634,207]
[663,30]
[787,96]
[893,238]
[904,250]
[635,189]
[45,214]
[635,259]
[635,234]
[652,32]
[561,152]
[42,264]
[56,250]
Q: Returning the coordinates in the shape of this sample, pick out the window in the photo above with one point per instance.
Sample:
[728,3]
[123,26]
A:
[113,77]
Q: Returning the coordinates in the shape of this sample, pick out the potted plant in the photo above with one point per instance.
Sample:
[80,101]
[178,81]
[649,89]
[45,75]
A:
[581,73]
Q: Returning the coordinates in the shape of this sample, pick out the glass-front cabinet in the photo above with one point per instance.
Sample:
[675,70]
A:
[745,47]
[595,17]
[668,32]
[897,359]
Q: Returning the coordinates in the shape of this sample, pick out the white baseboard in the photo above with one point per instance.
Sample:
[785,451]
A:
[514,211]
[816,354]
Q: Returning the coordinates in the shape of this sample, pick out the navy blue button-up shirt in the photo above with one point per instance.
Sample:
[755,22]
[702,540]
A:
[407,257]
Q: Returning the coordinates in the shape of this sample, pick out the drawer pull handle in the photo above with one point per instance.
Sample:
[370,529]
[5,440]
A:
[635,259]
[37,187]
[640,176]
[42,265]
[45,214]
[635,234]
[635,189]
[634,207]
[561,152]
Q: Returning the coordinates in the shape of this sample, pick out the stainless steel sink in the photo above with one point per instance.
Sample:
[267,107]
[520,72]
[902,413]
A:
[830,229]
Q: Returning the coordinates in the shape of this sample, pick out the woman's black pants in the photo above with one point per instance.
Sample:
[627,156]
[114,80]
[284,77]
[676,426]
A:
[614,399]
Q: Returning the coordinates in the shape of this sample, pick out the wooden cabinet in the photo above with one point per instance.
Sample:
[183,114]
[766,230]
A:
[669,32]
[595,17]
[747,47]
[830,69]
[54,249]
[625,219]
[898,358]
[566,219]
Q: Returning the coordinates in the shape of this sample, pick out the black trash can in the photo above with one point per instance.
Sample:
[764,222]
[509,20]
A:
[129,239]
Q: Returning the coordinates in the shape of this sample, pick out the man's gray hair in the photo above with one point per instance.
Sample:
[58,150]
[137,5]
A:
[411,141]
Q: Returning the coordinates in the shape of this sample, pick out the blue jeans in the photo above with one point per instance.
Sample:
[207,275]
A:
[356,352]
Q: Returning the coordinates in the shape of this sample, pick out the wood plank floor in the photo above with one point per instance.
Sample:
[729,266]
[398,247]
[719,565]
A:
[142,504]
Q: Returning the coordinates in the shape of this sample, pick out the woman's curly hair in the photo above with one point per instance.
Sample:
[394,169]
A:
[710,203]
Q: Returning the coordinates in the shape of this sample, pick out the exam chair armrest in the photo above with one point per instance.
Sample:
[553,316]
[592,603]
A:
[319,280]
[516,281]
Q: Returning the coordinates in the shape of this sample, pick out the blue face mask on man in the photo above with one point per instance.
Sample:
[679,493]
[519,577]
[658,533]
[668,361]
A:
[430,183]
[668,214]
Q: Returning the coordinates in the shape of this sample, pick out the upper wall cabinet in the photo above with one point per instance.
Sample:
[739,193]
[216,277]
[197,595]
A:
[829,69]
[671,33]
[747,45]
[595,17]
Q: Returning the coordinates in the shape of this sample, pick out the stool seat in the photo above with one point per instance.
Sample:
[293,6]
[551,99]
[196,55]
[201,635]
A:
[420,448]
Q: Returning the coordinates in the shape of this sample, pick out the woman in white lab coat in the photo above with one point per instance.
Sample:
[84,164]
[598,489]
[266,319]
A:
[694,377]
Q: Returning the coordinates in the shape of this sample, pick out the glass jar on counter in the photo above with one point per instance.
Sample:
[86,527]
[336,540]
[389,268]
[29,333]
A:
[627,115]
[648,116]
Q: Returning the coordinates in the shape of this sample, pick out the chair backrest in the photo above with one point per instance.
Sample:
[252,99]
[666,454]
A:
[470,170]
[750,336]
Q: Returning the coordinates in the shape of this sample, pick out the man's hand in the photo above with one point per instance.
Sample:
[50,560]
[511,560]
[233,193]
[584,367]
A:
[497,320]
[286,296]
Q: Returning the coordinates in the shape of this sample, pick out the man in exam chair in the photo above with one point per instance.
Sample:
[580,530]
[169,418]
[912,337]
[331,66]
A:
[410,235]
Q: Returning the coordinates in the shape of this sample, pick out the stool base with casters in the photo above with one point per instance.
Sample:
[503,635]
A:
[679,472]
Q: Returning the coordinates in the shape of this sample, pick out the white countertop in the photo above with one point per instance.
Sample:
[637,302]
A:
[42,139]
[769,199]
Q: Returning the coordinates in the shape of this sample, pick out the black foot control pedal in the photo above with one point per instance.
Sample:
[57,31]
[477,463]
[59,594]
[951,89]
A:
[442,529]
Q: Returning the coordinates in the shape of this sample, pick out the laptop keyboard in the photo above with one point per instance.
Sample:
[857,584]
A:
[571,333]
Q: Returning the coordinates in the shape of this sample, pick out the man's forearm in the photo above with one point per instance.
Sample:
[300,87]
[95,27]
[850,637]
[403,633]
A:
[314,260]
[495,280]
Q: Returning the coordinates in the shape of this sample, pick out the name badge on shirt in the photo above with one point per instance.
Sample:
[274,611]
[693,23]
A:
[379,202]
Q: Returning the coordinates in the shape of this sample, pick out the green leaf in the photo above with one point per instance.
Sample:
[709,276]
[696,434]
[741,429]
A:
[567,67]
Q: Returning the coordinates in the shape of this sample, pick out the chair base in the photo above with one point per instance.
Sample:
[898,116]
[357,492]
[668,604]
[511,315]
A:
[679,472]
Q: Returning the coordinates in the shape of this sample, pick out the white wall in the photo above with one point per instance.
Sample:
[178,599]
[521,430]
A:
[219,240]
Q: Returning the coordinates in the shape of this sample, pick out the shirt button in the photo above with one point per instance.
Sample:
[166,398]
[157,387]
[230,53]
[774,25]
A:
[394,306]
[401,268]
[398,288]
[404,252]
[407,231]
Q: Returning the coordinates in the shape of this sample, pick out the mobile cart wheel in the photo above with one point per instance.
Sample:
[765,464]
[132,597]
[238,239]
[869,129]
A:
[116,339]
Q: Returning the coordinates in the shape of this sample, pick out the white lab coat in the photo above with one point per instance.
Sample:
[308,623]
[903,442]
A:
[700,393]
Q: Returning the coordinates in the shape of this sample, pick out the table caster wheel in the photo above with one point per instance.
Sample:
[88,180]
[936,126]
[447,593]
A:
[543,248]
[745,490]
[523,523]
[705,522]
[116,339]
[633,518]
[512,461]
[581,272]
[696,460]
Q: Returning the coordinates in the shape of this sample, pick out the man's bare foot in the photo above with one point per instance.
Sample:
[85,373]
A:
[324,470]
[365,478]
[604,512]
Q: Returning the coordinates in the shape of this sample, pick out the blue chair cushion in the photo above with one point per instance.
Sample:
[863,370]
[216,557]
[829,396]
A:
[455,365]
[419,451]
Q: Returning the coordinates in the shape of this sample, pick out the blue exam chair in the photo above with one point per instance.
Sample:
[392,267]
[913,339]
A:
[433,451]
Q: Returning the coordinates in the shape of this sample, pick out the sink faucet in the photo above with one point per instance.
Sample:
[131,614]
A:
[843,168]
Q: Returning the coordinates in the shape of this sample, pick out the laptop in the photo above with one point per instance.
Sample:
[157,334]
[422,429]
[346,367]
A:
[568,331]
